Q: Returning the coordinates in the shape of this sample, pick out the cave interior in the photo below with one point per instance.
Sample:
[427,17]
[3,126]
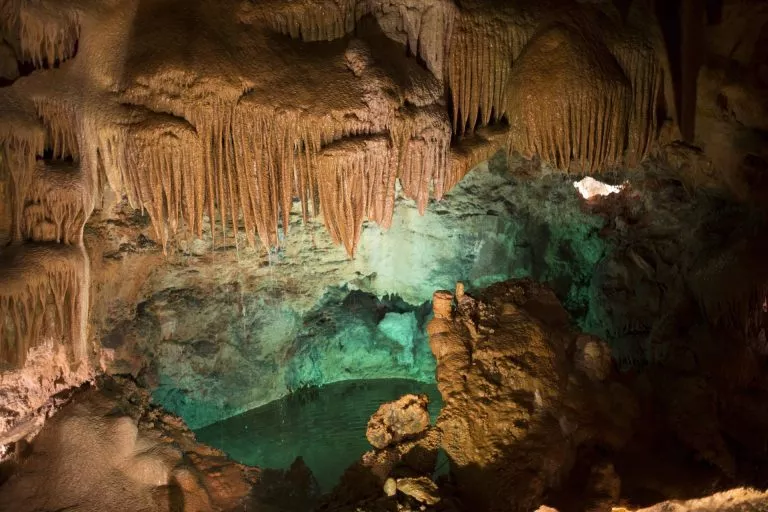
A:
[383,255]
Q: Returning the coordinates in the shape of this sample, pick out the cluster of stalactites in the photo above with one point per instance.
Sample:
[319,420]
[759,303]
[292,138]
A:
[42,296]
[323,20]
[18,158]
[423,146]
[60,120]
[356,179]
[642,67]
[58,202]
[480,59]
[46,37]
[247,164]
[578,115]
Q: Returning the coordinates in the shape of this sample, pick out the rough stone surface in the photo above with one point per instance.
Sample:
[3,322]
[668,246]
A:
[395,421]
[31,394]
[510,392]
[108,449]
[422,489]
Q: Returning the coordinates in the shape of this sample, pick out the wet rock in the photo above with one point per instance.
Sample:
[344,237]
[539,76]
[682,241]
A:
[398,420]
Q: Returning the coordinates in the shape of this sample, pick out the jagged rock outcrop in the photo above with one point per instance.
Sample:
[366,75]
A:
[517,405]
[396,421]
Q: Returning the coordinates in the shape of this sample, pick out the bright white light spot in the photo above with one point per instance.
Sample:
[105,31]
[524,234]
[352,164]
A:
[590,187]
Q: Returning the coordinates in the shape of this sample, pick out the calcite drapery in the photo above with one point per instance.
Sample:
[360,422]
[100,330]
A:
[235,111]
[43,290]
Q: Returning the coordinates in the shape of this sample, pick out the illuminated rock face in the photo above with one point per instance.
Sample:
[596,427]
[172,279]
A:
[216,338]
[221,120]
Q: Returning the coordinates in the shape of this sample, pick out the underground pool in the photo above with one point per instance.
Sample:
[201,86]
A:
[324,425]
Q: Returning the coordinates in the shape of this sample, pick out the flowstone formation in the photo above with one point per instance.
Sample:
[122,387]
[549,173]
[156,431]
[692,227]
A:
[215,335]
[218,118]
[262,103]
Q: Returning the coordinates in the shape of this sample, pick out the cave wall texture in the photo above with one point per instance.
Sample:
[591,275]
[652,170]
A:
[191,192]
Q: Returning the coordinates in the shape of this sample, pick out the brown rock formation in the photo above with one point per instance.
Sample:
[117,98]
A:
[396,421]
[516,406]
[109,449]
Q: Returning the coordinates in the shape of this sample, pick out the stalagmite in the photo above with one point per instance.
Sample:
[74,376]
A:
[43,293]
[59,196]
[578,114]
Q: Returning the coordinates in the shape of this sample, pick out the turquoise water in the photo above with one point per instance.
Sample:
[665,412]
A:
[325,426]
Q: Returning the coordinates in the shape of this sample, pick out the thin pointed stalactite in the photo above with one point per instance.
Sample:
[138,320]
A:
[33,277]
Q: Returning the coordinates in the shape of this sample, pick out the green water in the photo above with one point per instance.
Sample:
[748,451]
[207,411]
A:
[325,426]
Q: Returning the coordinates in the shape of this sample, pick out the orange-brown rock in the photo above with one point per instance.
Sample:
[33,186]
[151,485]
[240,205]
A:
[514,376]
[398,420]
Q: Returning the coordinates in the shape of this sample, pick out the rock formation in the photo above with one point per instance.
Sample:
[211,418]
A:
[158,156]
[522,392]
[126,455]
[183,137]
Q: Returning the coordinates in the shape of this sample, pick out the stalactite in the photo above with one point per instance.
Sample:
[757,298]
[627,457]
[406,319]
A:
[480,59]
[43,292]
[164,171]
[22,138]
[639,48]
[58,196]
[475,149]
[307,20]
[47,34]
[355,180]
[578,114]
[424,26]
[60,119]
[422,138]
